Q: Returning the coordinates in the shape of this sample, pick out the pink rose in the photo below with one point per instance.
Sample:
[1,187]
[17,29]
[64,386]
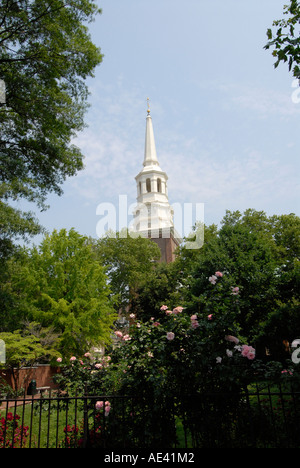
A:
[235,291]
[73,358]
[170,336]
[59,359]
[231,338]
[126,338]
[212,279]
[248,352]
[194,317]
[119,334]
[210,316]
[99,405]
[163,307]
[219,274]
[177,310]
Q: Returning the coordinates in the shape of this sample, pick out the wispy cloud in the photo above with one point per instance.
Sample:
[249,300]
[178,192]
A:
[199,172]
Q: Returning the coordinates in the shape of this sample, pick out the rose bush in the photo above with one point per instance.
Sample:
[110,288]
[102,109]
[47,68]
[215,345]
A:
[12,434]
[163,363]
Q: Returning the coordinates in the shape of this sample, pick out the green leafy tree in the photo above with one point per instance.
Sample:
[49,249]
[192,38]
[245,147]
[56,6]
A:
[22,351]
[286,39]
[46,55]
[61,284]
[260,255]
[161,285]
[128,262]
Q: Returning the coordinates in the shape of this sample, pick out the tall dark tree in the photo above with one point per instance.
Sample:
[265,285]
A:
[46,55]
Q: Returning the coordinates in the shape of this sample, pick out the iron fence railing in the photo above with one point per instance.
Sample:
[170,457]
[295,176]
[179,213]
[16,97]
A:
[255,418]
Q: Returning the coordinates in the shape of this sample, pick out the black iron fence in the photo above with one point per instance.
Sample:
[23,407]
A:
[255,418]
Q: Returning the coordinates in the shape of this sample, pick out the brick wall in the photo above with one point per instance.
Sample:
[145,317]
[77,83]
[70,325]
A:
[42,374]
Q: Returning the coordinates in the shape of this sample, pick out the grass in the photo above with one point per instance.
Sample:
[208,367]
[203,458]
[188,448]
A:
[46,422]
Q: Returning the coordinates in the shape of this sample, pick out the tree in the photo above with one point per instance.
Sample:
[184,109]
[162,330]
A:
[62,285]
[161,285]
[260,256]
[22,351]
[46,54]
[128,263]
[286,40]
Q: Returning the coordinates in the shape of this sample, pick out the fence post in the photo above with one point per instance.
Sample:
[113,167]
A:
[85,419]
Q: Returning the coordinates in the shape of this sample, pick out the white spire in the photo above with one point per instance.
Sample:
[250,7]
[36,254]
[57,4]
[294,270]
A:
[150,158]
[153,210]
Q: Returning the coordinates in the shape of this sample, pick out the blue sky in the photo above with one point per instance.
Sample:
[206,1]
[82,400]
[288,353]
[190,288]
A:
[226,123]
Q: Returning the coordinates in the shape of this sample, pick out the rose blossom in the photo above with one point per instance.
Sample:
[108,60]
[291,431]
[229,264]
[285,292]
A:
[73,358]
[219,274]
[126,338]
[195,324]
[231,338]
[163,307]
[59,359]
[170,336]
[177,310]
[248,352]
[194,321]
[212,279]
[99,405]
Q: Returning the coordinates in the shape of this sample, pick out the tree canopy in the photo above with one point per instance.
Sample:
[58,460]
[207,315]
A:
[46,55]
[60,284]
[286,39]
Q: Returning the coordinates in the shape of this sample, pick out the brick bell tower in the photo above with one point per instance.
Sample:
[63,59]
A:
[153,215]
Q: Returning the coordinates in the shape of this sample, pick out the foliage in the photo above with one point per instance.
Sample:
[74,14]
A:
[82,375]
[177,365]
[23,351]
[46,56]
[162,284]
[260,255]
[12,434]
[128,262]
[286,40]
[60,284]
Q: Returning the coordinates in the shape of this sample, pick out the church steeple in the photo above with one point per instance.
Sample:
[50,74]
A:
[153,215]
[150,157]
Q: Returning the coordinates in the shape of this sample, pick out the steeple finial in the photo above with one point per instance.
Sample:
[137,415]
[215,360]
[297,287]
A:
[148,103]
